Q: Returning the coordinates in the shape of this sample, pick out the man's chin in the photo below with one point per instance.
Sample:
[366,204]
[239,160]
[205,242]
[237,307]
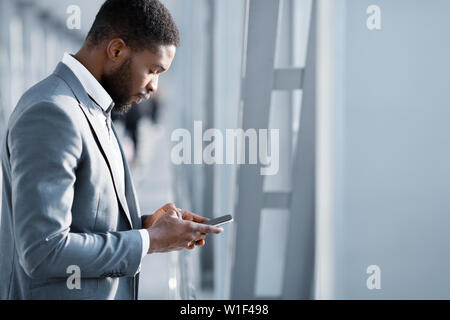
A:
[123,108]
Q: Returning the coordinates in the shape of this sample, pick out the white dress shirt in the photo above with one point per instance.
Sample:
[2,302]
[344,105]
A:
[103,101]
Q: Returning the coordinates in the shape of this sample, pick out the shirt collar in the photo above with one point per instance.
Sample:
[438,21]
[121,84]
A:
[88,81]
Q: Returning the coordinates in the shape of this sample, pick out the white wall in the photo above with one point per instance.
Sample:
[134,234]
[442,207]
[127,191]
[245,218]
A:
[392,169]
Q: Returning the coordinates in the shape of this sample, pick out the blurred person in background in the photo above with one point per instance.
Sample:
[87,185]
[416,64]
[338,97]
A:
[130,121]
[69,205]
[154,108]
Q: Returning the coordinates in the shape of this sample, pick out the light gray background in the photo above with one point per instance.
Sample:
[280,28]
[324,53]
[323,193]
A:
[392,152]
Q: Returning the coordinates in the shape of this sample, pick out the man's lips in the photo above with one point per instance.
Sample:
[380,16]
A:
[140,98]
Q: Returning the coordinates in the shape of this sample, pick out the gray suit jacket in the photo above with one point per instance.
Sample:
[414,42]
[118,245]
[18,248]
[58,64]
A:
[60,204]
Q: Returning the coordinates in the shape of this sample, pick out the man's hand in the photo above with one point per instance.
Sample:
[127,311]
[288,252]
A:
[150,220]
[168,233]
[189,216]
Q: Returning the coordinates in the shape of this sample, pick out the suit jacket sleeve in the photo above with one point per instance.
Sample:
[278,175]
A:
[45,149]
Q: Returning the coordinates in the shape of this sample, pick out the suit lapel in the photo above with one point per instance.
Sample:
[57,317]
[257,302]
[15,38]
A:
[130,192]
[103,141]
[105,146]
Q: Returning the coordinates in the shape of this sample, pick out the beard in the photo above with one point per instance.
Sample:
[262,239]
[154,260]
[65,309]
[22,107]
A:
[118,85]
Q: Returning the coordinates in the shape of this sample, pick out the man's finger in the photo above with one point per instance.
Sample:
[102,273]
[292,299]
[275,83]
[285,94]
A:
[192,217]
[200,243]
[170,206]
[173,214]
[203,228]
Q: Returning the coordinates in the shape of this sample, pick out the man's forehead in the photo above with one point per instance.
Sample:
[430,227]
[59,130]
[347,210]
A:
[159,53]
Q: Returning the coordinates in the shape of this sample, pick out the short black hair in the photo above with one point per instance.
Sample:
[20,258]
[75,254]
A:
[142,24]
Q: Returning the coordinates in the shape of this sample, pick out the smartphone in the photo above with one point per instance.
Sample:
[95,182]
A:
[220,221]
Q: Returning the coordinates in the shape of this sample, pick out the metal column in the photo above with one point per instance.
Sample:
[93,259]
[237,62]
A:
[259,80]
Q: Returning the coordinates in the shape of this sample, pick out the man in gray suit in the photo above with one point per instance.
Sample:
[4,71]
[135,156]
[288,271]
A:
[69,206]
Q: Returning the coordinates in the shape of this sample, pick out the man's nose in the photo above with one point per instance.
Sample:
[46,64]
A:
[153,85]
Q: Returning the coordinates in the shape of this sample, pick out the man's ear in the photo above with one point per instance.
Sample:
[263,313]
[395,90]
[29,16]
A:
[117,50]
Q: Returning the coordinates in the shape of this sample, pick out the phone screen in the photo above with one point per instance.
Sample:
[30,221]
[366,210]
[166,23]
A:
[220,221]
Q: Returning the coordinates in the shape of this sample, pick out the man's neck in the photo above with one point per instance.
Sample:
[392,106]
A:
[91,60]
